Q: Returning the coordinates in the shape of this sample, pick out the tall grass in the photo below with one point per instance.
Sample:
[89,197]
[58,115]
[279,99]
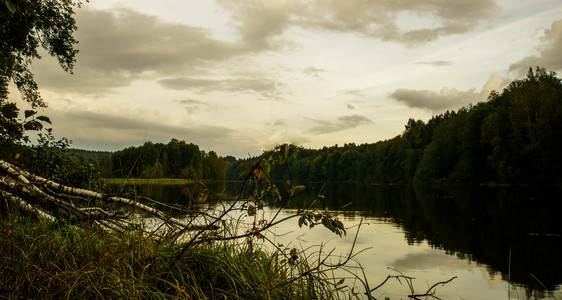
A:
[59,260]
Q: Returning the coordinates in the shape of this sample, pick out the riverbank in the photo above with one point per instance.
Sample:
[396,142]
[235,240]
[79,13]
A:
[55,260]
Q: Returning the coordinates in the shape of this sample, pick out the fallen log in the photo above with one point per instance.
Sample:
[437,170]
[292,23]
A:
[53,201]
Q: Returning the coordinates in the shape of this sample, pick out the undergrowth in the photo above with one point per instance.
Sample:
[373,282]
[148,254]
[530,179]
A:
[59,260]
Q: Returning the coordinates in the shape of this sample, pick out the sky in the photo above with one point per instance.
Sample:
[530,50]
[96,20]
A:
[240,76]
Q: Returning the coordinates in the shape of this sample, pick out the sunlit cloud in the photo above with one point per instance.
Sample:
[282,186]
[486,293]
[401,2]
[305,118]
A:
[548,55]
[341,123]
[262,24]
[264,86]
[447,98]
[114,51]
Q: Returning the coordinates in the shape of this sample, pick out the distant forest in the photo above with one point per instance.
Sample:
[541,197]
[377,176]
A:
[513,137]
[177,159]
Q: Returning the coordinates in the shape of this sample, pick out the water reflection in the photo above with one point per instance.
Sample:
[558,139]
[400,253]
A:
[183,194]
[481,224]
[459,228]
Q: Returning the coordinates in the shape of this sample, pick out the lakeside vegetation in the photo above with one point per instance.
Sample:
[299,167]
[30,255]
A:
[57,260]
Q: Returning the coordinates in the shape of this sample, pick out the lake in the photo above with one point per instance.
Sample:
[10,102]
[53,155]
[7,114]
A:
[500,242]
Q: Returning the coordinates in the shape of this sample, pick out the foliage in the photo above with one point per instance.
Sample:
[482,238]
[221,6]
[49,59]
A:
[61,261]
[49,158]
[177,159]
[12,129]
[26,26]
[513,137]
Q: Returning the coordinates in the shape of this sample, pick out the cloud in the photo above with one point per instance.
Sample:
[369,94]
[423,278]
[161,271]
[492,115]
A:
[264,86]
[430,259]
[447,98]
[548,55]
[438,63]
[122,45]
[108,131]
[312,71]
[192,106]
[342,123]
[263,23]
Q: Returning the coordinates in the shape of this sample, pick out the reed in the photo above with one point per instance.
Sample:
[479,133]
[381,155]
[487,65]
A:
[59,260]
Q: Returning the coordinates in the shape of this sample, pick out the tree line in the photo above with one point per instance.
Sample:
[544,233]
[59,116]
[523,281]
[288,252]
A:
[513,137]
[177,159]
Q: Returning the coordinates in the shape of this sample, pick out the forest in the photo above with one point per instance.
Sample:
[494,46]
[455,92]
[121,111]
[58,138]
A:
[513,137]
[177,159]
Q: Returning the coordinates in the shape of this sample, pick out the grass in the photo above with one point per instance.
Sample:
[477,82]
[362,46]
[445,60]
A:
[161,181]
[59,260]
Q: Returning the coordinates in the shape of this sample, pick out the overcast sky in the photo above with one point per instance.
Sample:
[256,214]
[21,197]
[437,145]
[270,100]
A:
[239,76]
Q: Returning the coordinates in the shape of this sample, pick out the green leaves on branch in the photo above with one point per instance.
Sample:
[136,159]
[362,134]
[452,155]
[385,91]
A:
[35,124]
[25,27]
[326,218]
[263,189]
[296,189]
[12,128]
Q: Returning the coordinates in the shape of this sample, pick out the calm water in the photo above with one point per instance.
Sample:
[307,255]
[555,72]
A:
[435,233]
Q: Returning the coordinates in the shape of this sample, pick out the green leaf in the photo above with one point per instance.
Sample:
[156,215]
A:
[44,119]
[28,113]
[299,188]
[251,210]
[33,125]
[339,224]
[10,6]
[9,110]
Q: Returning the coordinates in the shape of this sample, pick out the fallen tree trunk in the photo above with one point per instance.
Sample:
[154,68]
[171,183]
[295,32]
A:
[52,201]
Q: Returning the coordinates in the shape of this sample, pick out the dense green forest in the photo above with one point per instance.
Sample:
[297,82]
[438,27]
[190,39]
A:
[513,137]
[177,159]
